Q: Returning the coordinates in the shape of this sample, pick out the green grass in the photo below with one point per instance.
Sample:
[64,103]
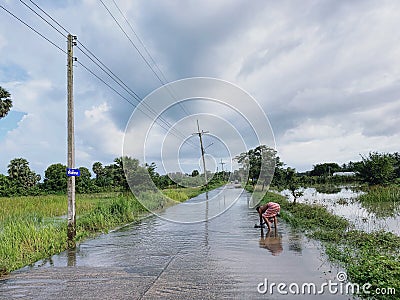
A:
[372,258]
[382,201]
[381,194]
[33,228]
[183,194]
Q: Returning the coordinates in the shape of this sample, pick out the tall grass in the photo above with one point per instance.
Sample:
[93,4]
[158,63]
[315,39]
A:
[33,228]
[25,241]
[381,194]
[182,194]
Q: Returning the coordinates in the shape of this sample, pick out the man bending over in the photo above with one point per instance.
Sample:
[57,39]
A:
[268,212]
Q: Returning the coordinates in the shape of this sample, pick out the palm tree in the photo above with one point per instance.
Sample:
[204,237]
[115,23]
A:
[18,169]
[20,173]
[98,169]
[5,102]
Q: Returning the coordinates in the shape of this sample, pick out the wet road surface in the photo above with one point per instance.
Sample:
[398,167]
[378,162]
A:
[222,258]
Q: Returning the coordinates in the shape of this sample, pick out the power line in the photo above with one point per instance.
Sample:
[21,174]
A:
[33,29]
[140,40]
[163,82]
[62,27]
[113,77]
[43,18]
[132,43]
[120,83]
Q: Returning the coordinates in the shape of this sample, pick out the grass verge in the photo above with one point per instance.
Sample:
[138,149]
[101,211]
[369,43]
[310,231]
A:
[33,228]
[372,258]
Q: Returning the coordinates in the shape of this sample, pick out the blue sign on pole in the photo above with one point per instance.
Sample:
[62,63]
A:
[73,172]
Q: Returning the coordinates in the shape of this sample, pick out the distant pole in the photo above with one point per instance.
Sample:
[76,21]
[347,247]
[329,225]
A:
[222,165]
[71,231]
[200,133]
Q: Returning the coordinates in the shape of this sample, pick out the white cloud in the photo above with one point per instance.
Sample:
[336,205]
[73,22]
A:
[326,73]
[98,130]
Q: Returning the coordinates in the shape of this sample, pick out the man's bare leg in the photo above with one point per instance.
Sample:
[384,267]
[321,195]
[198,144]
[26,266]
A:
[267,222]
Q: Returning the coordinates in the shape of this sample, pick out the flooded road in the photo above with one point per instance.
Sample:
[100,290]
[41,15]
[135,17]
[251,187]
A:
[222,258]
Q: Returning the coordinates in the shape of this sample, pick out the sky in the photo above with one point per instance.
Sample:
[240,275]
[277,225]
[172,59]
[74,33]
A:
[326,74]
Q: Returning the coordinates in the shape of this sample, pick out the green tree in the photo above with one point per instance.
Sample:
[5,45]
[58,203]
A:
[325,169]
[98,169]
[55,178]
[377,168]
[5,102]
[396,164]
[5,190]
[136,175]
[151,169]
[259,162]
[103,175]
[21,176]
[118,173]
[195,173]
[293,183]
[83,182]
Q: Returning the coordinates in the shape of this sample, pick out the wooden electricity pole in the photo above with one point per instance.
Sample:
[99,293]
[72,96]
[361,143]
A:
[71,146]
[200,133]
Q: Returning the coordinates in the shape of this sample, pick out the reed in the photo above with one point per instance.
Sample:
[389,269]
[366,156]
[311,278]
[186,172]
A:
[381,194]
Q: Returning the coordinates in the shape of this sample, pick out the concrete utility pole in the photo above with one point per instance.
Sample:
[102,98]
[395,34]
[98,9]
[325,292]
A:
[200,133]
[71,145]
[222,165]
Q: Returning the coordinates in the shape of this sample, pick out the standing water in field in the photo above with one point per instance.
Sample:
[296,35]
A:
[345,203]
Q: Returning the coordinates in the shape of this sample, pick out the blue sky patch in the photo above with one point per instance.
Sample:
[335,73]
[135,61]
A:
[12,72]
[10,122]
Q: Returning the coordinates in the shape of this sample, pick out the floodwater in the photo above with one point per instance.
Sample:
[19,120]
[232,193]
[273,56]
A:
[221,258]
[367,217]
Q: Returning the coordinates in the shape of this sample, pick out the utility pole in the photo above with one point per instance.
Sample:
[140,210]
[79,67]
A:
[71,231]
[222,165]
[200,133]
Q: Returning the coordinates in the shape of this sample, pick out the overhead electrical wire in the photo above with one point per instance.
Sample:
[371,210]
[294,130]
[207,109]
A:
[33,29]
[108,71]
[141,42]
[163,81]
[114,77]
[132,43]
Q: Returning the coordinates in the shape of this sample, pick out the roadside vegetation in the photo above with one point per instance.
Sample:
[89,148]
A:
[33,221]
[372,258]
[35,227]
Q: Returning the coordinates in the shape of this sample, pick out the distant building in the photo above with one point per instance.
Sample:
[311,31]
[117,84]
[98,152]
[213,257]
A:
[347,174]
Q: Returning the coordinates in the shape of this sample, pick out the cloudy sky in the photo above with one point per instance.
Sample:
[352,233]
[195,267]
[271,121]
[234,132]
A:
[326,74]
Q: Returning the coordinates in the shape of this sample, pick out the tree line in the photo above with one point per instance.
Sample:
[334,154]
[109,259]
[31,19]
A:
[373,169]
[22,181]
[261,162]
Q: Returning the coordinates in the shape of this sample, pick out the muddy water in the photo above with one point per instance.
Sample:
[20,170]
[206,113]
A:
[222,258]
[372,217]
